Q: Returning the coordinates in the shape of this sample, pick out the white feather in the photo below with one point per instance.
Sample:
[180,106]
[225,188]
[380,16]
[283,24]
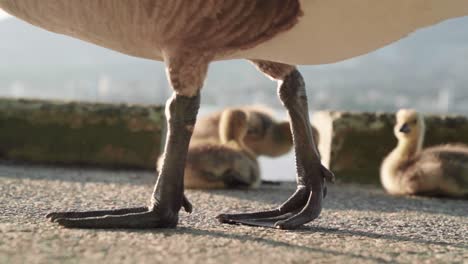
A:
[335,30]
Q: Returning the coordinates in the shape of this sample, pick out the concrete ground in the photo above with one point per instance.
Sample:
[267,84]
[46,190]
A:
[358,225]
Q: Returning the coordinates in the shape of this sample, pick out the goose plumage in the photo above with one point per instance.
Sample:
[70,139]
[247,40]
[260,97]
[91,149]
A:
[321,32]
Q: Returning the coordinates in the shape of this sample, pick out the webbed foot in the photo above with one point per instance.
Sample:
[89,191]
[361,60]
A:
[150,218]
[135,217]
[302,207]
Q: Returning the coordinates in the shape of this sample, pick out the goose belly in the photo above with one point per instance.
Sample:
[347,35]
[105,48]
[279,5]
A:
[335,30]
[124,26]
[328,31]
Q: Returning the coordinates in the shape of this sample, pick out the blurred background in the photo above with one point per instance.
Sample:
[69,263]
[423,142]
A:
[426,71]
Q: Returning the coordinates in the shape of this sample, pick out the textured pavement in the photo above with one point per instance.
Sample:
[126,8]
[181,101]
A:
[358,225]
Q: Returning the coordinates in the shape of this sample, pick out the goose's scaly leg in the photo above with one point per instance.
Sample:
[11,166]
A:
[186,77]
[306,203]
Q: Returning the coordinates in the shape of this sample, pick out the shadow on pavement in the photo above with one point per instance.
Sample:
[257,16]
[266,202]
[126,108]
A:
[263,240]
[354,233]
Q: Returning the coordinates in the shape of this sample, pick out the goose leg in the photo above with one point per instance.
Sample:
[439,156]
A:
[306,203]
[186,77]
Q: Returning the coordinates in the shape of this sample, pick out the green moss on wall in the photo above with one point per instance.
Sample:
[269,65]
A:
[80,133]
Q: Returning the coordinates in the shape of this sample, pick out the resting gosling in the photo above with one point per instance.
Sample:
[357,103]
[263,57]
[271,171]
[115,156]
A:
[225,145]
[223,160]
[265,135]
[436,171]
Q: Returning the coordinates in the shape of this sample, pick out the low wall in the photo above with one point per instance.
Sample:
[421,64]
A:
[80,133]
[353,145]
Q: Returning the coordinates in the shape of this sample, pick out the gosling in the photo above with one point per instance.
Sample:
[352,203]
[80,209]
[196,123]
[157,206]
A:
[265,136]
[440,171]
[223,160]
[225,146]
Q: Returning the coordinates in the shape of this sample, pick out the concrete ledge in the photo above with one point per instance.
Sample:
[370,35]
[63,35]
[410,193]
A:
[80,133]
[53,132]
[354,144]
